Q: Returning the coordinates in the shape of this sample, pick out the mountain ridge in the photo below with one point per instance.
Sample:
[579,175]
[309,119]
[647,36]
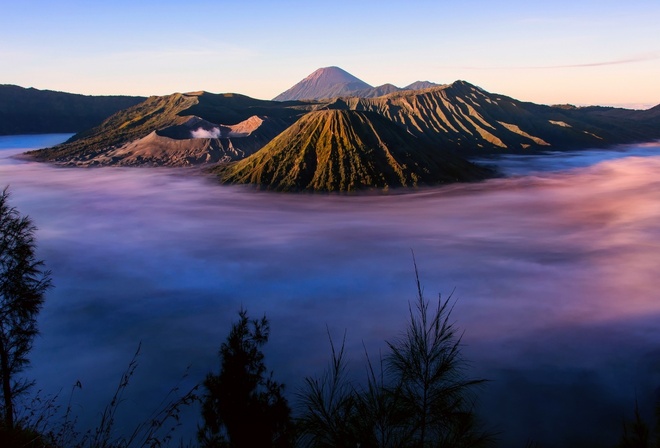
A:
[455,120]
[34,111]
[345,151]
[334,82]
[160,114]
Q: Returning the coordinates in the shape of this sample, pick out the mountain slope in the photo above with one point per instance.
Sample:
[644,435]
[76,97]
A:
[374,92]
[419,85]
[335,150]
[194,142]
[460,118]
[172,116]
[334,82]
[33,111]
[327,82]
[123,127]
[466,118]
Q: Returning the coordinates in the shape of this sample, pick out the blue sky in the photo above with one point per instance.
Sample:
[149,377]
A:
[580,52]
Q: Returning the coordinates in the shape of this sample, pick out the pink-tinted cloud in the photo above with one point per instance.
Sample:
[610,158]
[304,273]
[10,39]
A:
[622,61]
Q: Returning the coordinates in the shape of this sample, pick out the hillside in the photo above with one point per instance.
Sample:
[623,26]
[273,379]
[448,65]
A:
[194,142]
[419,85]
[466,118]
[340,150]
[33,111]
[141,135]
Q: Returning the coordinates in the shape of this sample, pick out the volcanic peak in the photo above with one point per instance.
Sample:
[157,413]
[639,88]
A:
[327,82]
[347,150]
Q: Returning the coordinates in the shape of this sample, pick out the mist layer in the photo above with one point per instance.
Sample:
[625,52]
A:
[554,271]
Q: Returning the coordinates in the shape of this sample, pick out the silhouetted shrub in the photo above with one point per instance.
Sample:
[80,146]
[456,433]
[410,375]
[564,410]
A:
[419,397]
[243,405]
[23,283]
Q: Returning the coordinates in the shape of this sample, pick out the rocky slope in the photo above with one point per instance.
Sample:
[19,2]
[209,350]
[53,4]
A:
[466,118]
[195,142]
[176,130]
[341,150]
[419,85]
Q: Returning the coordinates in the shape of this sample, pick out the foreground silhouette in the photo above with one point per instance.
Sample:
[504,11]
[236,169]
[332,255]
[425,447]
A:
[417,396]
[420,397]
[243,406]
[23,282]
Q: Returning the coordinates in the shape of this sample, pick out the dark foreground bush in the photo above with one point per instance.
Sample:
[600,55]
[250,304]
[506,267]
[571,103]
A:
[420,396]
[243,406]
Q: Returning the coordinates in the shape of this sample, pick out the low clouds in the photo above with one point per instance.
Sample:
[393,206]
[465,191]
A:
[556,276]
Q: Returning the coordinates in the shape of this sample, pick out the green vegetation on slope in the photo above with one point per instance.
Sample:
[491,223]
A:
[157,113]
[123,127]
[335,150]
[33,111]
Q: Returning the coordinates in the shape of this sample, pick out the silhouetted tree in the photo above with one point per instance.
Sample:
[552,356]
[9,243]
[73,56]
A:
[328,406]
[243,406]
[337,413]
[419,397]
[23,282]
[380,417]
[427,370]
[638,434]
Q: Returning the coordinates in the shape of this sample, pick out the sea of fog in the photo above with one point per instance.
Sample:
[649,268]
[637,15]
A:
[555,270]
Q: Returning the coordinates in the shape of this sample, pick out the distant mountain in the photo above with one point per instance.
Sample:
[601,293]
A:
[33,111]
[386,89]
[419,85]
[346,143]
[333,82]
[327,82]
[345,150]
[373,92]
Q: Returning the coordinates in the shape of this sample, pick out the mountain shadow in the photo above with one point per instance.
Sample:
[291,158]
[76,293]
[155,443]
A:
[34,111]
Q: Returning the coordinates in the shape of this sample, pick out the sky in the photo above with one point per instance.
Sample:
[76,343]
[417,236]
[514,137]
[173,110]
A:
[580,52]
